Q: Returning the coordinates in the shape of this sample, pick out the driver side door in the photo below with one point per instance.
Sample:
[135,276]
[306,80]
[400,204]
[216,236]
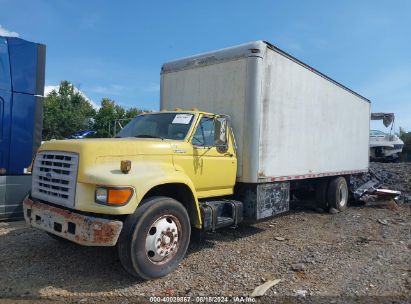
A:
[214,172]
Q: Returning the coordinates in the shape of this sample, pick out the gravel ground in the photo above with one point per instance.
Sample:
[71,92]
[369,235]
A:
[364,251]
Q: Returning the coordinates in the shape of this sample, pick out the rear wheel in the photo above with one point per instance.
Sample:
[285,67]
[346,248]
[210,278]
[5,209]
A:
[155,238]
[337,193]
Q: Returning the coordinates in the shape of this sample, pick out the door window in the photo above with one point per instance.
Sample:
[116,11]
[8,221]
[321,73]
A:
[204,135]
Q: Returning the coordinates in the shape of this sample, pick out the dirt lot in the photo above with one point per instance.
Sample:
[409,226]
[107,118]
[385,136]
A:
[364,251]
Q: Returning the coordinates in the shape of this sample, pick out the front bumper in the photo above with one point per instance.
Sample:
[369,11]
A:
[78,228]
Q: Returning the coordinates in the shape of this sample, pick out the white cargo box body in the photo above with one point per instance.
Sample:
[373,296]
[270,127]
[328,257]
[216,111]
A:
[289,120]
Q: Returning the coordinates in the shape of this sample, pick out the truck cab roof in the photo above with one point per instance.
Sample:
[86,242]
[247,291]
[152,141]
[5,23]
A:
[191,111]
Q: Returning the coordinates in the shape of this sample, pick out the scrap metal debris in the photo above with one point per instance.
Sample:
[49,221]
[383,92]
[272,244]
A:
[372,186]
[382,222]
[262,289]
[387,194]
[365,188]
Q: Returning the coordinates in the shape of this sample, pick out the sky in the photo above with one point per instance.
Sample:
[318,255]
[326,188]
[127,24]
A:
[115,49]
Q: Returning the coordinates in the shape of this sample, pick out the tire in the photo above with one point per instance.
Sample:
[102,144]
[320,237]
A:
[321,194]
[337,193]
[155,238]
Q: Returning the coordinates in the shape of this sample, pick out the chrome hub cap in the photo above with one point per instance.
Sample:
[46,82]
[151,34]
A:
[162,239]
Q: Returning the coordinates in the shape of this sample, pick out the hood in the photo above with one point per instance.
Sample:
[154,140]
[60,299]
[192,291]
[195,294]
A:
[104,149]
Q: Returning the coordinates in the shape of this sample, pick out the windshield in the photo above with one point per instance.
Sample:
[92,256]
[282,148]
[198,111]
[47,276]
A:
[161,125]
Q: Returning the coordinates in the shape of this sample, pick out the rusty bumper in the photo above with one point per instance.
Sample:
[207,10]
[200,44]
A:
[78,228]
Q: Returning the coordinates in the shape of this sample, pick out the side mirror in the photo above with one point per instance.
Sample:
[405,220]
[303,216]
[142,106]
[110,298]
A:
[220,134]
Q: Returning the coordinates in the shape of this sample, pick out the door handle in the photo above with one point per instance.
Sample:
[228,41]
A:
[228,154]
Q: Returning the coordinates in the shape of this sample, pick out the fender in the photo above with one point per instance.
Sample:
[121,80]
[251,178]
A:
[143,176]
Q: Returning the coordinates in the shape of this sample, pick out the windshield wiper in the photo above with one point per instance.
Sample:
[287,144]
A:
[148,136]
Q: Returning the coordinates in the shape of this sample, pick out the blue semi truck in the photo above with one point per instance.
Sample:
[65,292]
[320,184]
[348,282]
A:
[22,69]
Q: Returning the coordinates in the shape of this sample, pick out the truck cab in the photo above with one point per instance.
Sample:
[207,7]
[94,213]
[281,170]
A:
[140,190]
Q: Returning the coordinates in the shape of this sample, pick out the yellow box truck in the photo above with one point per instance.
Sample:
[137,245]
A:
[269,125]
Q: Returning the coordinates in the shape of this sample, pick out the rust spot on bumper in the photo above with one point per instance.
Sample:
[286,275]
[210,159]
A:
[81,229]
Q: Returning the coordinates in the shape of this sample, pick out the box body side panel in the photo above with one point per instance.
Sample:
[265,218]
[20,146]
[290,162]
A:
[309,125]
[289,120]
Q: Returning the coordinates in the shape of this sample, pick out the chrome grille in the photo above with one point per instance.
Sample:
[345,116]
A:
[54,177]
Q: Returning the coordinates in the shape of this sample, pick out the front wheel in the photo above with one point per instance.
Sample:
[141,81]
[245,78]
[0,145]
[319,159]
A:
[155,238]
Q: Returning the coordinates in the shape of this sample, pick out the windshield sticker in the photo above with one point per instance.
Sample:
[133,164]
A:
[183,119]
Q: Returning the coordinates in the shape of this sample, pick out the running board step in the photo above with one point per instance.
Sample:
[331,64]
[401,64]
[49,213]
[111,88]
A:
[219,214]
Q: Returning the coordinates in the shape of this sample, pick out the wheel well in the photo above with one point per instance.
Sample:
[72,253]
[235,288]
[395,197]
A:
[179,192]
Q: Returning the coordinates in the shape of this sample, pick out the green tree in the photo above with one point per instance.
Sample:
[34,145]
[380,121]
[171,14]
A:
[402,134]
[105,114]
[111,117]
[66,111]
[133,112]
[406,138]
[120,122]
[106,117]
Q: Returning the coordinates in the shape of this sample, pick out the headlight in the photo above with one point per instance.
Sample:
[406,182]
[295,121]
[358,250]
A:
[115,196]
[101,195]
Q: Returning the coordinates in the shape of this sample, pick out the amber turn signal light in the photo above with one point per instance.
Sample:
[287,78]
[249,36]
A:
[113,196]
[119,196]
